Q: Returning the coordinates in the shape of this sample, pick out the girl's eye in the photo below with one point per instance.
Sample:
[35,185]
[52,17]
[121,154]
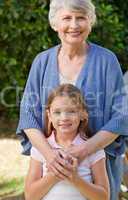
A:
[56,112]
[67,112]
[71,112]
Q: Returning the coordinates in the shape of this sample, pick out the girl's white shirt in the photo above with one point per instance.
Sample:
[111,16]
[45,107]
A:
[64,190]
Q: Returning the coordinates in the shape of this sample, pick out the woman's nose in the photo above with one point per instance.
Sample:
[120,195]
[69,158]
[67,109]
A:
[74,23]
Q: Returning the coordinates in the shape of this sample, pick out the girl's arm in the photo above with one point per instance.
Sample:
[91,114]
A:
[99,189]
[37,186]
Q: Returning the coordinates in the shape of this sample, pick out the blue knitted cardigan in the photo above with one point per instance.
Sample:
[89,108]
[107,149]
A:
[101,83]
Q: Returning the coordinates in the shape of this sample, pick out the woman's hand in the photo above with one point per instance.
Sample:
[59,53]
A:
[77,151]
[59,164]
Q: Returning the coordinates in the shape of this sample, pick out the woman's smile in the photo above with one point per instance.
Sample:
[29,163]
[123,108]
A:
[74,33]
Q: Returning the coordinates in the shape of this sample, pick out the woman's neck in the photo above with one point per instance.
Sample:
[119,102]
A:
[71,51]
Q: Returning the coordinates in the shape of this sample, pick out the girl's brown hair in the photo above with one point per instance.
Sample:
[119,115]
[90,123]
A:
[75,95]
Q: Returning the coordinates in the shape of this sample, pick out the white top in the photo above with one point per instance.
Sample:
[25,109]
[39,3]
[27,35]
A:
[64,80]
[63,190]
[126,78]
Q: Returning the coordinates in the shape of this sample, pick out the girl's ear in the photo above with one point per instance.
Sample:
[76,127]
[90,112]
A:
[49,123]
[84,116]
[48,114]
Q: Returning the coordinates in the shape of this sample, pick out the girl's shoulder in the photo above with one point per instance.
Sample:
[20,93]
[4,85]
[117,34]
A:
[36,155]
[95,157]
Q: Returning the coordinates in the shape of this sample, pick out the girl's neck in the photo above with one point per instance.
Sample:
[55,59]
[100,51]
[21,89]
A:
[64,140]
[71,51]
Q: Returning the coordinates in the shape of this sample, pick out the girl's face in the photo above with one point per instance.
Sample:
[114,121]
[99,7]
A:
[73,27]
[64,115]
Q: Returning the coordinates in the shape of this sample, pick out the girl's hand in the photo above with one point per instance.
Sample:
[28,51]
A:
[59,164]
[74,173]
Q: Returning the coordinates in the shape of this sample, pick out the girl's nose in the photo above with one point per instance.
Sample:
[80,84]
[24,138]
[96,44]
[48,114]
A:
[64,116]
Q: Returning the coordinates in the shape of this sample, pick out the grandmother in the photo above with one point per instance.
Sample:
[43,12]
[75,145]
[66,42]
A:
[96,72]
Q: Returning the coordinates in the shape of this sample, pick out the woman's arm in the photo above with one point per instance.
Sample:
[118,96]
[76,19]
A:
[97,142]
[37,186]
[115,113]
[39,141]
[99,189]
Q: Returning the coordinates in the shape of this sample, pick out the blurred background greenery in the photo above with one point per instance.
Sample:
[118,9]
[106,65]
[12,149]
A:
[25,31]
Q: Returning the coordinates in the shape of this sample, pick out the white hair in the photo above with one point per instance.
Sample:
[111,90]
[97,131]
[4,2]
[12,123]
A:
[84,6]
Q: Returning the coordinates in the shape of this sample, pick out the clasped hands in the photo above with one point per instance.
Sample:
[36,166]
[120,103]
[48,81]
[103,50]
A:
[63,163]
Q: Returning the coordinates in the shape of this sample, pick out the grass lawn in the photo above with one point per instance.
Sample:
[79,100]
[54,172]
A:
[13,168]
[12,187]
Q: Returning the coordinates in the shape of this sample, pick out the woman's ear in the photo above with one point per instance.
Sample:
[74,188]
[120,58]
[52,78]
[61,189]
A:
[54,25]
[54,28]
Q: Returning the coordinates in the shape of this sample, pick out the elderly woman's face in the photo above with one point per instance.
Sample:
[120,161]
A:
[73,27]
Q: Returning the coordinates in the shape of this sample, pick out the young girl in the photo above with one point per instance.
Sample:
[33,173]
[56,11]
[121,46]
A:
[66,122]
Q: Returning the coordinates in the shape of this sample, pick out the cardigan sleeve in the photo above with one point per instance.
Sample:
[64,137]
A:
[116,100]
[30,107]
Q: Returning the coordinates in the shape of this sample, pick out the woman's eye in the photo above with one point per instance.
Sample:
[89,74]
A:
[66,18]
[81,18]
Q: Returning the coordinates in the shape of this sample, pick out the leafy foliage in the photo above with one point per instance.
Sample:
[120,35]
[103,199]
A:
[111,30]
[25,31]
